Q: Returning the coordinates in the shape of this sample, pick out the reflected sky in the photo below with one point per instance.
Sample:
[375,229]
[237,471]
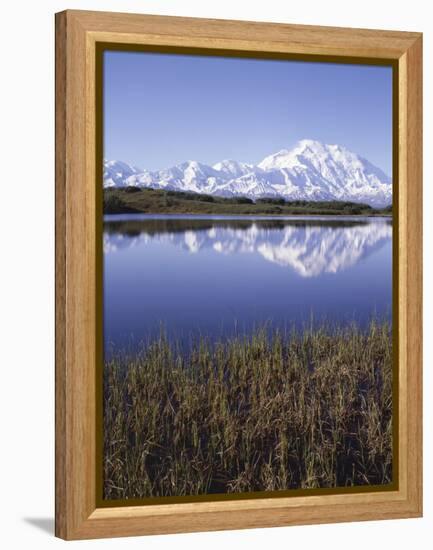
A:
[216,276]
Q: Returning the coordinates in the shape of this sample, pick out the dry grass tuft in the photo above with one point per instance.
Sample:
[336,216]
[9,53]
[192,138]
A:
[254,414]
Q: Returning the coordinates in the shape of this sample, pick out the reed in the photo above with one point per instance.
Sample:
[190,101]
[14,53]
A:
[258,413]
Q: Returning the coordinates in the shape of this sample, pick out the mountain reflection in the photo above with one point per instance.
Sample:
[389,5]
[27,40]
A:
[309,247]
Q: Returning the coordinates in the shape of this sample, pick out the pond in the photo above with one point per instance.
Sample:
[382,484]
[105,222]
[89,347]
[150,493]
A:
[217,276]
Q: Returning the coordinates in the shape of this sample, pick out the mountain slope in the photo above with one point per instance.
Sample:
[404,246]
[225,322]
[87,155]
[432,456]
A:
[309,171]
[116,173]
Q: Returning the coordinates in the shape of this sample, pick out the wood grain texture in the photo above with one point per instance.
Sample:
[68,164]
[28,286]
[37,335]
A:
[246,35]
[60,247]
[77,33]
[413,288]
[75,289]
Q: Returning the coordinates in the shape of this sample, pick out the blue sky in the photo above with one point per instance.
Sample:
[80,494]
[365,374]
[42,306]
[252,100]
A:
[163,109]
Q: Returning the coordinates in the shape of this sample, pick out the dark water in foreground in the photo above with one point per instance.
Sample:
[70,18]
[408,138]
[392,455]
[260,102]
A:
[217,276]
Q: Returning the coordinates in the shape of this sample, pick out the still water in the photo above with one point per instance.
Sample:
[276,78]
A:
[217,276]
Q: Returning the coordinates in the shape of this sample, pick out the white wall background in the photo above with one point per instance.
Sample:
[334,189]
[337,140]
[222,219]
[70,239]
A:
[27,270]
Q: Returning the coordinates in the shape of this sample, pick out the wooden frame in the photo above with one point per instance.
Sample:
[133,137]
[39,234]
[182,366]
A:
[77,36]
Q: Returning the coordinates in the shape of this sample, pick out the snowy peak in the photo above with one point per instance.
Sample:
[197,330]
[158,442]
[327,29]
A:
[233,168]
[276,161]
[116,172]
[308,153]
[195,170]
[306,149]
[310,170]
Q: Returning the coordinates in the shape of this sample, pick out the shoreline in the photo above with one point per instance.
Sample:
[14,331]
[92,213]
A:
[131,200]
[205,216]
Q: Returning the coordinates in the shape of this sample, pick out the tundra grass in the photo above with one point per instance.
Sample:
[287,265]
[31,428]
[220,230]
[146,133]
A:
[157,201]
[259,413]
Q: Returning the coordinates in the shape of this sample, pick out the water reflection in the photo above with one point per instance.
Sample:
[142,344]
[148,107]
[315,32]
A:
[220,276]
[308,247]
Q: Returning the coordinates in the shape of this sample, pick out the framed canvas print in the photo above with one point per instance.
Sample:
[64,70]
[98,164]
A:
[238,274]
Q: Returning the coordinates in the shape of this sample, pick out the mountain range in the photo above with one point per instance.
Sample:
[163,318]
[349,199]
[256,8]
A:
[310,171]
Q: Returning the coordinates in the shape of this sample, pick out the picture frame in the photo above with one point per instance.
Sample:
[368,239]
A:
[80,38]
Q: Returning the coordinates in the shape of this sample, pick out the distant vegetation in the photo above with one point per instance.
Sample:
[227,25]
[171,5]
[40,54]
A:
[259,413]
[156,201]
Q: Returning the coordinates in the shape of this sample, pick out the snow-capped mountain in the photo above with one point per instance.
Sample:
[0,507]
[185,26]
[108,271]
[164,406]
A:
[233,169]
[309,251]
[309,171]
[117,172]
